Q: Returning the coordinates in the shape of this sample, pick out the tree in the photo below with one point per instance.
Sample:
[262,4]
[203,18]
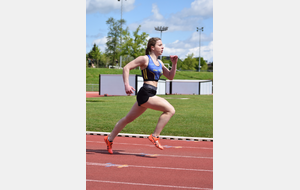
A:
[95,55]
[113,38]
[202,63]
[134,46]
[189,63]
[179,64]
[104,60]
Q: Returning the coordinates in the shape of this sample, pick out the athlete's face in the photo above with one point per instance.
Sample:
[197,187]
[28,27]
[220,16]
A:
[158,48]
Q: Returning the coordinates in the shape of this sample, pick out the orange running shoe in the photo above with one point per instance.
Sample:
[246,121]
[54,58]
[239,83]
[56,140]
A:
[155,141]
[108,144]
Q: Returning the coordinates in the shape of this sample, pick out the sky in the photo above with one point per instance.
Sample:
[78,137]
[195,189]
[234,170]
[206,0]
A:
[182,17]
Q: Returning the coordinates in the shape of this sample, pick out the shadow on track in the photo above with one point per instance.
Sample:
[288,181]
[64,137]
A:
[118,152]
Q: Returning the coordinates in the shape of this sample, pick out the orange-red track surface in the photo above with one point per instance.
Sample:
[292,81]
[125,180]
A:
[96,94]
[137,164]
[93,94]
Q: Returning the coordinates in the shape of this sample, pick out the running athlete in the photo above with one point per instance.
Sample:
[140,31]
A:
[152,68]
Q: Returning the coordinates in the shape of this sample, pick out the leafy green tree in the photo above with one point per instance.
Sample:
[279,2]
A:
[104,60]
[134,46]
[113,38]
[179,64]
[95,54]
[202,63]
[87,62]
[189,63]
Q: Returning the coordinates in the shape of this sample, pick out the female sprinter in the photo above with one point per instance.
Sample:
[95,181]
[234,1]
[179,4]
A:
[152,69]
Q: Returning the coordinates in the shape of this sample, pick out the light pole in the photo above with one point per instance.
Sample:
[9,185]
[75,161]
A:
[121,31]
[200,29]
[161,29]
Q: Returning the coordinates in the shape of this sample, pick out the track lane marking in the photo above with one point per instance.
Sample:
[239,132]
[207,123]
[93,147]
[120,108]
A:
[149,167]
[178,156]
[144,184]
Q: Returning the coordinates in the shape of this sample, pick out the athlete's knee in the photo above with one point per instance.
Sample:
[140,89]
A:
[172,111]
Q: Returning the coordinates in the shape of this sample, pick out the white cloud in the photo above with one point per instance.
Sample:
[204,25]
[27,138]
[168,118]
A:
[147,25]
[182,21]
[192,41]
[106,6]
[182,52]
[101,43]
[205,51]
[156,14]
[203,8]
[204,38]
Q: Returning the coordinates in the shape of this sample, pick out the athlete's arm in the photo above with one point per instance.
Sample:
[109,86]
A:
[166,72]
[138,62]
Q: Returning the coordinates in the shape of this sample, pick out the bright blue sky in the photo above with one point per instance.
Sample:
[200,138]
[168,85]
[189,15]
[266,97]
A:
[181,16]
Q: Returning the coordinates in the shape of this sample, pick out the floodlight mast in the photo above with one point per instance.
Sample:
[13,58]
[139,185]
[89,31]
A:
[161,29]
[200,29]
[121,31]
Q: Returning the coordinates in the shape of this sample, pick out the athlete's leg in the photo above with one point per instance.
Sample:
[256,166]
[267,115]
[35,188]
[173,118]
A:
[135,112]
[160,104]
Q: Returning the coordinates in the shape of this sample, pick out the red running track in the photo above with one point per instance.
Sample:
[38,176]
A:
[96,94]
[138,164]
[93,94]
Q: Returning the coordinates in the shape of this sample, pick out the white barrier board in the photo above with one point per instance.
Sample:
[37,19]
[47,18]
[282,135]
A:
[114,85]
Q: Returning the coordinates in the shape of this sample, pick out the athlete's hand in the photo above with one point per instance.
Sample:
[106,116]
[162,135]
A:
[129,89]
[174,59]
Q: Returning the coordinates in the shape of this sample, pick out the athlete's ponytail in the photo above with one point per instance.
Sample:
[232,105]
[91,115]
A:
[147,51]
[151,42]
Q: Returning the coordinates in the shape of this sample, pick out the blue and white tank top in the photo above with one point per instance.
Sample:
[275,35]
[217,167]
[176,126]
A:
[152,72]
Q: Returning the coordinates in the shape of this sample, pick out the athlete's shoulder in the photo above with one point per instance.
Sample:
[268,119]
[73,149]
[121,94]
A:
[146,57]
[143,60]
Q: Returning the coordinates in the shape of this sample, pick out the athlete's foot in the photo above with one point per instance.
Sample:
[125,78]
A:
[108,144]
[155,141]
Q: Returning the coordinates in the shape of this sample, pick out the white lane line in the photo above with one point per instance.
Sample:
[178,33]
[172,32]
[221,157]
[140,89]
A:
[149,167]
[153,155]
[166,146]
[144,184]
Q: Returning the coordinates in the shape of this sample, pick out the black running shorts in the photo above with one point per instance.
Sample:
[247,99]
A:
[145,92]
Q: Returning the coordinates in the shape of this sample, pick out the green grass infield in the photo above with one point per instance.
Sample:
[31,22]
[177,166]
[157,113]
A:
[193,117]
